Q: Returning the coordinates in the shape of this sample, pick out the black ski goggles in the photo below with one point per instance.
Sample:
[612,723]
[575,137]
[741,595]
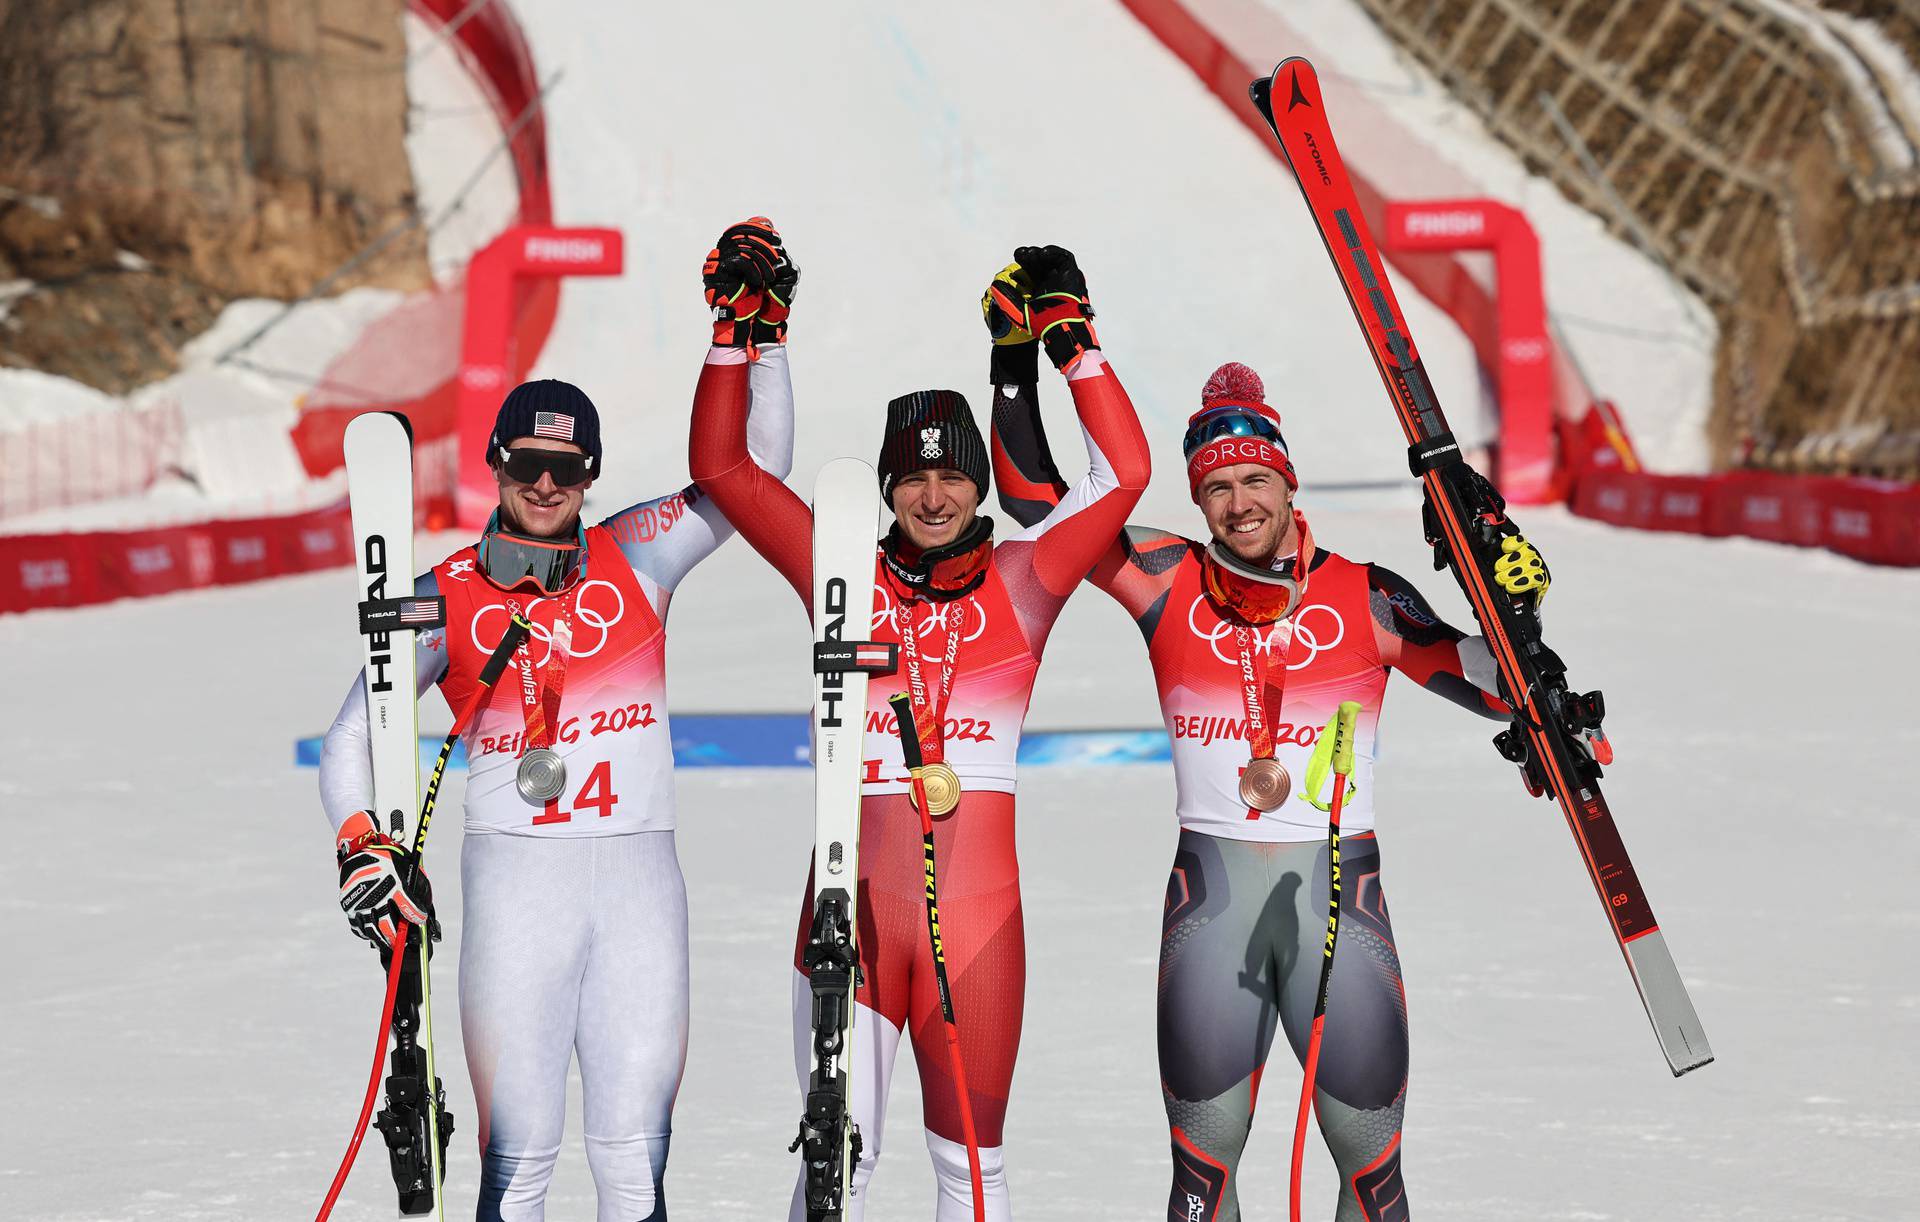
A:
[512,561]
[568,469]
[1229,422]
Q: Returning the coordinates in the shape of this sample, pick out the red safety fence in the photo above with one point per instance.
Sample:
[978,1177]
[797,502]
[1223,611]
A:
[1873,520]
[98,456]
[70,570]
[76,569]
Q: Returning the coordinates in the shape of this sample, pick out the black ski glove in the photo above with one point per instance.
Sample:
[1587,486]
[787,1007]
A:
[743,265]
[1059,314]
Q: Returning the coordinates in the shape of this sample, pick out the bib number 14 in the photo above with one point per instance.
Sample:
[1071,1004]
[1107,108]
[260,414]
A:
[595,793]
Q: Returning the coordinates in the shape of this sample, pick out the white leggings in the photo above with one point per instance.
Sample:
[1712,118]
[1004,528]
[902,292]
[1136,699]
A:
[573,945]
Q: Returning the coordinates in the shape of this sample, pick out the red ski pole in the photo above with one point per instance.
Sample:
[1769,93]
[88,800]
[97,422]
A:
[1341,730]
[373,1084]
[489,674]
[910,751]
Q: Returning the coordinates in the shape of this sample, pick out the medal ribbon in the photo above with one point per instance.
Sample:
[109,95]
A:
[1253,686]
[540,701]
[930,718]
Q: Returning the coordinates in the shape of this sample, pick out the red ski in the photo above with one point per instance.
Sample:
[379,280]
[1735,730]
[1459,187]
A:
[1555,737]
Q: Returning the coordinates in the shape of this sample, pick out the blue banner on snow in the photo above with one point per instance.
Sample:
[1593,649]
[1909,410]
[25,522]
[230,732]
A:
[779,740]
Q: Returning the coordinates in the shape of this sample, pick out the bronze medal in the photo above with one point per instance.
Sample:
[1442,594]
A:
[942,786]
[1264,784]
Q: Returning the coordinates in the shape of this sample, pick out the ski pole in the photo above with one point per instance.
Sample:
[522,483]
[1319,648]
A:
[910,751]
[373,1088]
[517,629]
[489,675]
[1340,729]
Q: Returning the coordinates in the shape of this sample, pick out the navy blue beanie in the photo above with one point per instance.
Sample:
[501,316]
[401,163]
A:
[548,408]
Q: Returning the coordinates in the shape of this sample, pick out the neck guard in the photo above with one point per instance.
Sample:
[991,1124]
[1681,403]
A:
[943,573]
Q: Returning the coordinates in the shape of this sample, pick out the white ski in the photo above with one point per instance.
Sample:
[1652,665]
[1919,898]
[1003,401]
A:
[846,521]
[379,453]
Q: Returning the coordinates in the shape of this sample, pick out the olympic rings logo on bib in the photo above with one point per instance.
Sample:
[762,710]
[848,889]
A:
[883,614]
[589,612]
[1305,636]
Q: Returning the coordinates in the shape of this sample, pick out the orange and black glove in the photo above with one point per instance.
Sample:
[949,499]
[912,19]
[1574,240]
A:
[1058,314]
[374,893]
[746,267]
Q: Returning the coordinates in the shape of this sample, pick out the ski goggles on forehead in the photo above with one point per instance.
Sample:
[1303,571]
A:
[1229,422]
[567,468]
[513,561]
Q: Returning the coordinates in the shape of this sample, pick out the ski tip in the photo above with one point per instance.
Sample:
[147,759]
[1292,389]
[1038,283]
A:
[851,485]
[374,423]
[1261,89]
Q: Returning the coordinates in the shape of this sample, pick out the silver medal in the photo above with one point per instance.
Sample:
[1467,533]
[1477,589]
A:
[541,775]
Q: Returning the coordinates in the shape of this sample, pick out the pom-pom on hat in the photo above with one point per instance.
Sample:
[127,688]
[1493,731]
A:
[1236,384]
[1231,386]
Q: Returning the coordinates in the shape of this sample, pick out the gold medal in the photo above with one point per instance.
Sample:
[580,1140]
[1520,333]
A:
[1264,784]
[942,786]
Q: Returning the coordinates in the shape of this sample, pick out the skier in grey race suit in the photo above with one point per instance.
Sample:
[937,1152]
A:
[1255,638]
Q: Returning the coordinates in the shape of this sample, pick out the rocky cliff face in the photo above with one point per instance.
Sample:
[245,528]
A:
[159,158]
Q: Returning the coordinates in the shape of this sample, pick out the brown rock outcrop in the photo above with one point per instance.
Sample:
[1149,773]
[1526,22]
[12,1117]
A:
[232,148]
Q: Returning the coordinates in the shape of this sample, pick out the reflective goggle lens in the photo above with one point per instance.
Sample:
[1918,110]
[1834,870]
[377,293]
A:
[1229,422]
[527,466]
[511,561]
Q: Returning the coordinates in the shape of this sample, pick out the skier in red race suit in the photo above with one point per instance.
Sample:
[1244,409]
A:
[972,618]
[574,930]
[1255,638]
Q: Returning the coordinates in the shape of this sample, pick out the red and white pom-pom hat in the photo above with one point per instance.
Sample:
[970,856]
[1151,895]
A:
[1234,425]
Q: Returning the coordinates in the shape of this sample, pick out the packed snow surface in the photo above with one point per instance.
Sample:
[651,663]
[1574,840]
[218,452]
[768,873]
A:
[190,1022]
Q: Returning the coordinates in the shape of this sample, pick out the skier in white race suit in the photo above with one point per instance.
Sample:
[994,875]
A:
[574,930]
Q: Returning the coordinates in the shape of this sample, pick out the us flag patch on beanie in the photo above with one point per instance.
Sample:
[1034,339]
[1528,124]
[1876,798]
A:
[556,425]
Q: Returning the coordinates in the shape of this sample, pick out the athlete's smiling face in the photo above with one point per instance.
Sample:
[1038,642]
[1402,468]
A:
[1249,509]
[543,509]
[934,507]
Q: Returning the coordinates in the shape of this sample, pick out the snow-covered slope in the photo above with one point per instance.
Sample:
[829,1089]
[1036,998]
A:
[904,154]
[187,1023]
[1639,335]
